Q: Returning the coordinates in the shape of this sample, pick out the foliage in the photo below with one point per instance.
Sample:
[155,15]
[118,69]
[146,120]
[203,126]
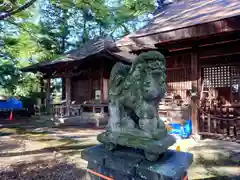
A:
[42,30]
[16,45]
[9,75]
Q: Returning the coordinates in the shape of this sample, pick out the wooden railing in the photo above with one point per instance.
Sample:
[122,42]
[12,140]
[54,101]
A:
[66,111]
[220,121]
[78,109]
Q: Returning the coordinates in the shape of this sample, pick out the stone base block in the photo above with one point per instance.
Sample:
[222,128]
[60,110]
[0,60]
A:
[134,141]
[130,164]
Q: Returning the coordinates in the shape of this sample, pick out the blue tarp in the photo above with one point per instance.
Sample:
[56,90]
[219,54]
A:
[11,103]
[182,130]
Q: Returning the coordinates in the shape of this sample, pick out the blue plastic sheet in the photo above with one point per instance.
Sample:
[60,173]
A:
[182,130]
[11,103]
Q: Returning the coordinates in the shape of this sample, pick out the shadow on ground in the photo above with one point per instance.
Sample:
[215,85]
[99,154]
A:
[8,146]
[47,150]
[213,160]
[43,170]
[216,151]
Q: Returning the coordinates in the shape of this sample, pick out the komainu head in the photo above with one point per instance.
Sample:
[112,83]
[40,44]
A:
[149,67]
[144,79]
[150,57]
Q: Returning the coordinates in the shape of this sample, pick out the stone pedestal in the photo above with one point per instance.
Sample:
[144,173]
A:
[130,164]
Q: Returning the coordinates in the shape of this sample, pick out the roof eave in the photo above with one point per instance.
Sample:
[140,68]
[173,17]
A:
[196,31]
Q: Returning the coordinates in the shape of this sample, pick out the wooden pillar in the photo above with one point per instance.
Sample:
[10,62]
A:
[101,87]
[101,82]
[68,94]
[42,90]
[48,95]
[63,89]
[89,84]
[105,89]
[194,100]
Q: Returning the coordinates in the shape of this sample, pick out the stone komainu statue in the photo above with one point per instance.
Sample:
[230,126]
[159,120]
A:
[134,95]
[135,92]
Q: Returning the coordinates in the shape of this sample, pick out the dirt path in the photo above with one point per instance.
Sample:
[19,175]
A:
[52,153]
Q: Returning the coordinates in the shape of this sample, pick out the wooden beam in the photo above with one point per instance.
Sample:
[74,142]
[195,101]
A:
[194,107]
[201,41]
[70,74]
[219,55]
[217,49]
[220,49]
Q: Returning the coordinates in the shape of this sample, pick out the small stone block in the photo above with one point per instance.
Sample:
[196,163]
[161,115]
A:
[93,166]
[118,175]
[98,169]
[123,160]
[173,165]
[96,154]
[130,152]
[122,164]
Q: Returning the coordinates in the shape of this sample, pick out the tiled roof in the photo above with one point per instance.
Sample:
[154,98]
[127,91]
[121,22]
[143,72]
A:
[180,15]
[92,47]
[189,13]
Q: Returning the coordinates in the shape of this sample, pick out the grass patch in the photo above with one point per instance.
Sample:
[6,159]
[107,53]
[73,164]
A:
[9,130]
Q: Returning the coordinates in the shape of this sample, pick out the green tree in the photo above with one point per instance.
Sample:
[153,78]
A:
[63,25]
[12,58]
[16,44]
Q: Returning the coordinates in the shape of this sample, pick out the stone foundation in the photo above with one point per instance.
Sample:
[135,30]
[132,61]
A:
[130,164]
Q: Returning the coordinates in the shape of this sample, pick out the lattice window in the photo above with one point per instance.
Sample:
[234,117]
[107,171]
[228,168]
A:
[219,76]
[235,74]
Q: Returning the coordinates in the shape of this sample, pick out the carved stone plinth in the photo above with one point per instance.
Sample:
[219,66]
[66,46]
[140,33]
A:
[130,164]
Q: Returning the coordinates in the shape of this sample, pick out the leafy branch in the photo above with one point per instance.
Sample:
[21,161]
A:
[9,12]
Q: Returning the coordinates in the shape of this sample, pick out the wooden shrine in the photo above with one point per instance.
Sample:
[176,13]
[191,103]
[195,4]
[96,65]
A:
[85,73]
[200,40]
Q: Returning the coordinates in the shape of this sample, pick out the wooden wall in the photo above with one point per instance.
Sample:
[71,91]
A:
[84,86]
[80,91]
[178,71]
